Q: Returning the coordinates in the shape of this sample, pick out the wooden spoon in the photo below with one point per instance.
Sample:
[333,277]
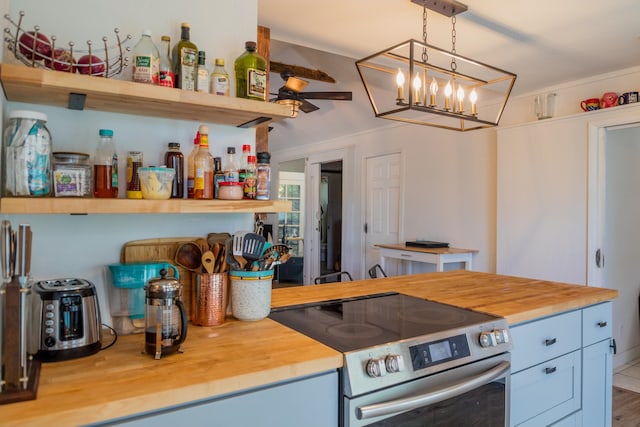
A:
[208,262]
[216,257]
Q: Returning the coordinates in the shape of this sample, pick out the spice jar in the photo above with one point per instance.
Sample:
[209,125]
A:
[72,175]
[230,190]
[28,162]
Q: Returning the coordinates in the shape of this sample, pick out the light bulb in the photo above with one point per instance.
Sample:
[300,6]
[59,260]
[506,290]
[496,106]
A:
[473,97]
[400,82]
[448,90]
[417,84]
[433,90]
[460,96]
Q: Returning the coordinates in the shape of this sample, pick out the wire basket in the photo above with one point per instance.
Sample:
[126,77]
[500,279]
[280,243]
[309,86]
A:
[35,49]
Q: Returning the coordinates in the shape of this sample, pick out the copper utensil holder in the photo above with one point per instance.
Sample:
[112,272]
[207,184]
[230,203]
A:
[209,299]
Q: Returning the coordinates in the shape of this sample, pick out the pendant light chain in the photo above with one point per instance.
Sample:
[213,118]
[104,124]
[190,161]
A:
[453,42]
[425,56]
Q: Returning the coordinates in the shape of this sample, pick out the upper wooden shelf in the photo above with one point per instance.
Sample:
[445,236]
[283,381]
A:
[76,91]
[81,206]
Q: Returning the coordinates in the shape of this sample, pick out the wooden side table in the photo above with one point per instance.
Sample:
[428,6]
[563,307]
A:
[437,256]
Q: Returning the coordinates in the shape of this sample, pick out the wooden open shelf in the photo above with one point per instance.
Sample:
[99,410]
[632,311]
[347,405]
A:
[76,91]
[81,206]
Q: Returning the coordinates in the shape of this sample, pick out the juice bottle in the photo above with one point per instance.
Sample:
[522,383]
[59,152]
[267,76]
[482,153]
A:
[203,167]
[105,166]
[146,60]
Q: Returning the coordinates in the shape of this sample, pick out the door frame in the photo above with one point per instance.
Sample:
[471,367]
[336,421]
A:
[597,138]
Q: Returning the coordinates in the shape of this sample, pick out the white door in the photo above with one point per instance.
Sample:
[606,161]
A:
[615,234]
[382,211]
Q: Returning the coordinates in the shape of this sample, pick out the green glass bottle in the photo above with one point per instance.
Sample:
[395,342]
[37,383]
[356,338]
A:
[251,74]
[185,60]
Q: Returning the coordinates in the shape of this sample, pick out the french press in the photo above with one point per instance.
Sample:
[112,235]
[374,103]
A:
[165,316]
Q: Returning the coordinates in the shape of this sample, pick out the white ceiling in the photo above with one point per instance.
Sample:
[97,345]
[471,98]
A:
[544,42]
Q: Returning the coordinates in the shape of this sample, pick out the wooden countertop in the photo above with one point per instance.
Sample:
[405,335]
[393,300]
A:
[235,356]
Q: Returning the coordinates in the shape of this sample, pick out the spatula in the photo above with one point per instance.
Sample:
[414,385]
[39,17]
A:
[252,246]
[238,240]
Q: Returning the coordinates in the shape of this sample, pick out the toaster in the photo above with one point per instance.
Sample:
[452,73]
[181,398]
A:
[65,319]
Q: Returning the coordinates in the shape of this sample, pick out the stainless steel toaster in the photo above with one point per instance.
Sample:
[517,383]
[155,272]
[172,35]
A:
[66,319]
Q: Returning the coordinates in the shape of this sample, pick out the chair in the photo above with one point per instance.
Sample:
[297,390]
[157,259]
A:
[373,271]
[325,278]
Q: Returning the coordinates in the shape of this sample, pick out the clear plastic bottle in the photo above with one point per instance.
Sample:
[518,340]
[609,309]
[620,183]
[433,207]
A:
[105,166]
[191,173]
[174,158]
[263,174]
[167,75]
[251,74]
[185,60]
[203,167]
[146,60]
[249,184]
[230,168]
[219,80]
[202,83]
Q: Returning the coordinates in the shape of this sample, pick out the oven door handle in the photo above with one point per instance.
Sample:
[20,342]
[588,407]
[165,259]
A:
[415,402]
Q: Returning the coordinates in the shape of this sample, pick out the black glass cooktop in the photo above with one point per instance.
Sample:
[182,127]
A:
[362,322]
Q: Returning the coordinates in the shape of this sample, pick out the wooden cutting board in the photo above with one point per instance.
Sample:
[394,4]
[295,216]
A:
[161,249]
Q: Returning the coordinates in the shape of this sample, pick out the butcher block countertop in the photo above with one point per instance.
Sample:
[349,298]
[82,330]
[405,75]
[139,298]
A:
[236,356]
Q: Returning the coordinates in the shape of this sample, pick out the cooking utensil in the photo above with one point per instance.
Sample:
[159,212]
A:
[252,247]
[208,262]
[5,248]
[229,257]
[238,239]
[204,245]
[213,238]
[189,256]
[215,249]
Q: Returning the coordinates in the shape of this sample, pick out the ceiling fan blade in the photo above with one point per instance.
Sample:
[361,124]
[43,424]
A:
[307,107]
[334,96]
[295,84]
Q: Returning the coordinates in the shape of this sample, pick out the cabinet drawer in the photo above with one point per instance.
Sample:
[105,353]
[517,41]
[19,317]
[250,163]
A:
[596,323]
[545,339]
[546,392]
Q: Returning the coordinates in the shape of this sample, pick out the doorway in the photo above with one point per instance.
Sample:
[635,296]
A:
[313,228]
[614,209]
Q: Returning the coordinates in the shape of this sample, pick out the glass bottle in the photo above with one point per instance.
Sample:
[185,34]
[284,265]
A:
[185,57]
[202,83]
[218,175]
[230,167]
[263,176]
[167,76]
[219,81]
[244,161]
[203,167]
[174,158]
[249,184]
[191,173]
[134,161]
[105,166]
[251,74]
[146,60]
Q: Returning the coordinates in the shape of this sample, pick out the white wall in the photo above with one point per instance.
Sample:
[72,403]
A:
[81,246]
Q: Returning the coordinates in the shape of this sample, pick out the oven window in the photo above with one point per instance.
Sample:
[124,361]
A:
[482,407]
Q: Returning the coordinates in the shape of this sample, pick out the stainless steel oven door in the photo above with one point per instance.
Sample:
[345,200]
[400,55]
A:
[476,395]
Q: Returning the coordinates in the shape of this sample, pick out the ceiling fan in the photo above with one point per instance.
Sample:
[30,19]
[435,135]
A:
[292,91]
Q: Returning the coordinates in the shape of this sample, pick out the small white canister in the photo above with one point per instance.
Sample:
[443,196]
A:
[251,294]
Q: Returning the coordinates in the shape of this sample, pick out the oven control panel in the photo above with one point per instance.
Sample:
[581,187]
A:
[494,338]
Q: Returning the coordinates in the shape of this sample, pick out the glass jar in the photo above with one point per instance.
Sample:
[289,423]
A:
[72,175]
[230,190]
[28,159]
[134,161]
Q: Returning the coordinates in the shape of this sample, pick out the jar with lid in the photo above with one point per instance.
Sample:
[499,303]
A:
[231,171]
[263,176]
[72,174]
[28,157]
[134,161]
[230,190]
[174,159]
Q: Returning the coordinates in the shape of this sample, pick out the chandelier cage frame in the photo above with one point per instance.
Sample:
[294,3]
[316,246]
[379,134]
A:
[485,87]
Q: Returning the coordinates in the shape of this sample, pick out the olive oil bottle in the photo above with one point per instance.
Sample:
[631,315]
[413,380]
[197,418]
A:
[185,60]
[251,74]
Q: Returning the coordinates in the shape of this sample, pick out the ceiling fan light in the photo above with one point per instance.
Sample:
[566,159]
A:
[294,104]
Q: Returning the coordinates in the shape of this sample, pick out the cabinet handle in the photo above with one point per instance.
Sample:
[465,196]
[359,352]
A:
[613,346]
[549,342]
[602,324]
[550,370]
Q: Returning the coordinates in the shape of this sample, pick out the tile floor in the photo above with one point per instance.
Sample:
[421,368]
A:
[628,376]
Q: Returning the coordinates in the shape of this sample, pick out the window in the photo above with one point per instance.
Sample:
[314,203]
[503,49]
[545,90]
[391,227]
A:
[291,224]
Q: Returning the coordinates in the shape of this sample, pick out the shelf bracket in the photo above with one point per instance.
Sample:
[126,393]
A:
[76,101]
[255,122]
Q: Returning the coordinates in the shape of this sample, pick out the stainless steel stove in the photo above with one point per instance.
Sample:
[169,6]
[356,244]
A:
[407,360]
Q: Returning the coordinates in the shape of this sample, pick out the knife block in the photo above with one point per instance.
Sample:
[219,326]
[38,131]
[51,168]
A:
[14,388]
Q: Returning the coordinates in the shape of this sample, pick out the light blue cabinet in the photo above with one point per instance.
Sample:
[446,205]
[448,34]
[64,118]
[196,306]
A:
[308,402]
[562,370]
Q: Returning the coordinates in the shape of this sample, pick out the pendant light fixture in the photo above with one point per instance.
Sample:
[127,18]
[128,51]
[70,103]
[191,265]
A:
[418,83]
